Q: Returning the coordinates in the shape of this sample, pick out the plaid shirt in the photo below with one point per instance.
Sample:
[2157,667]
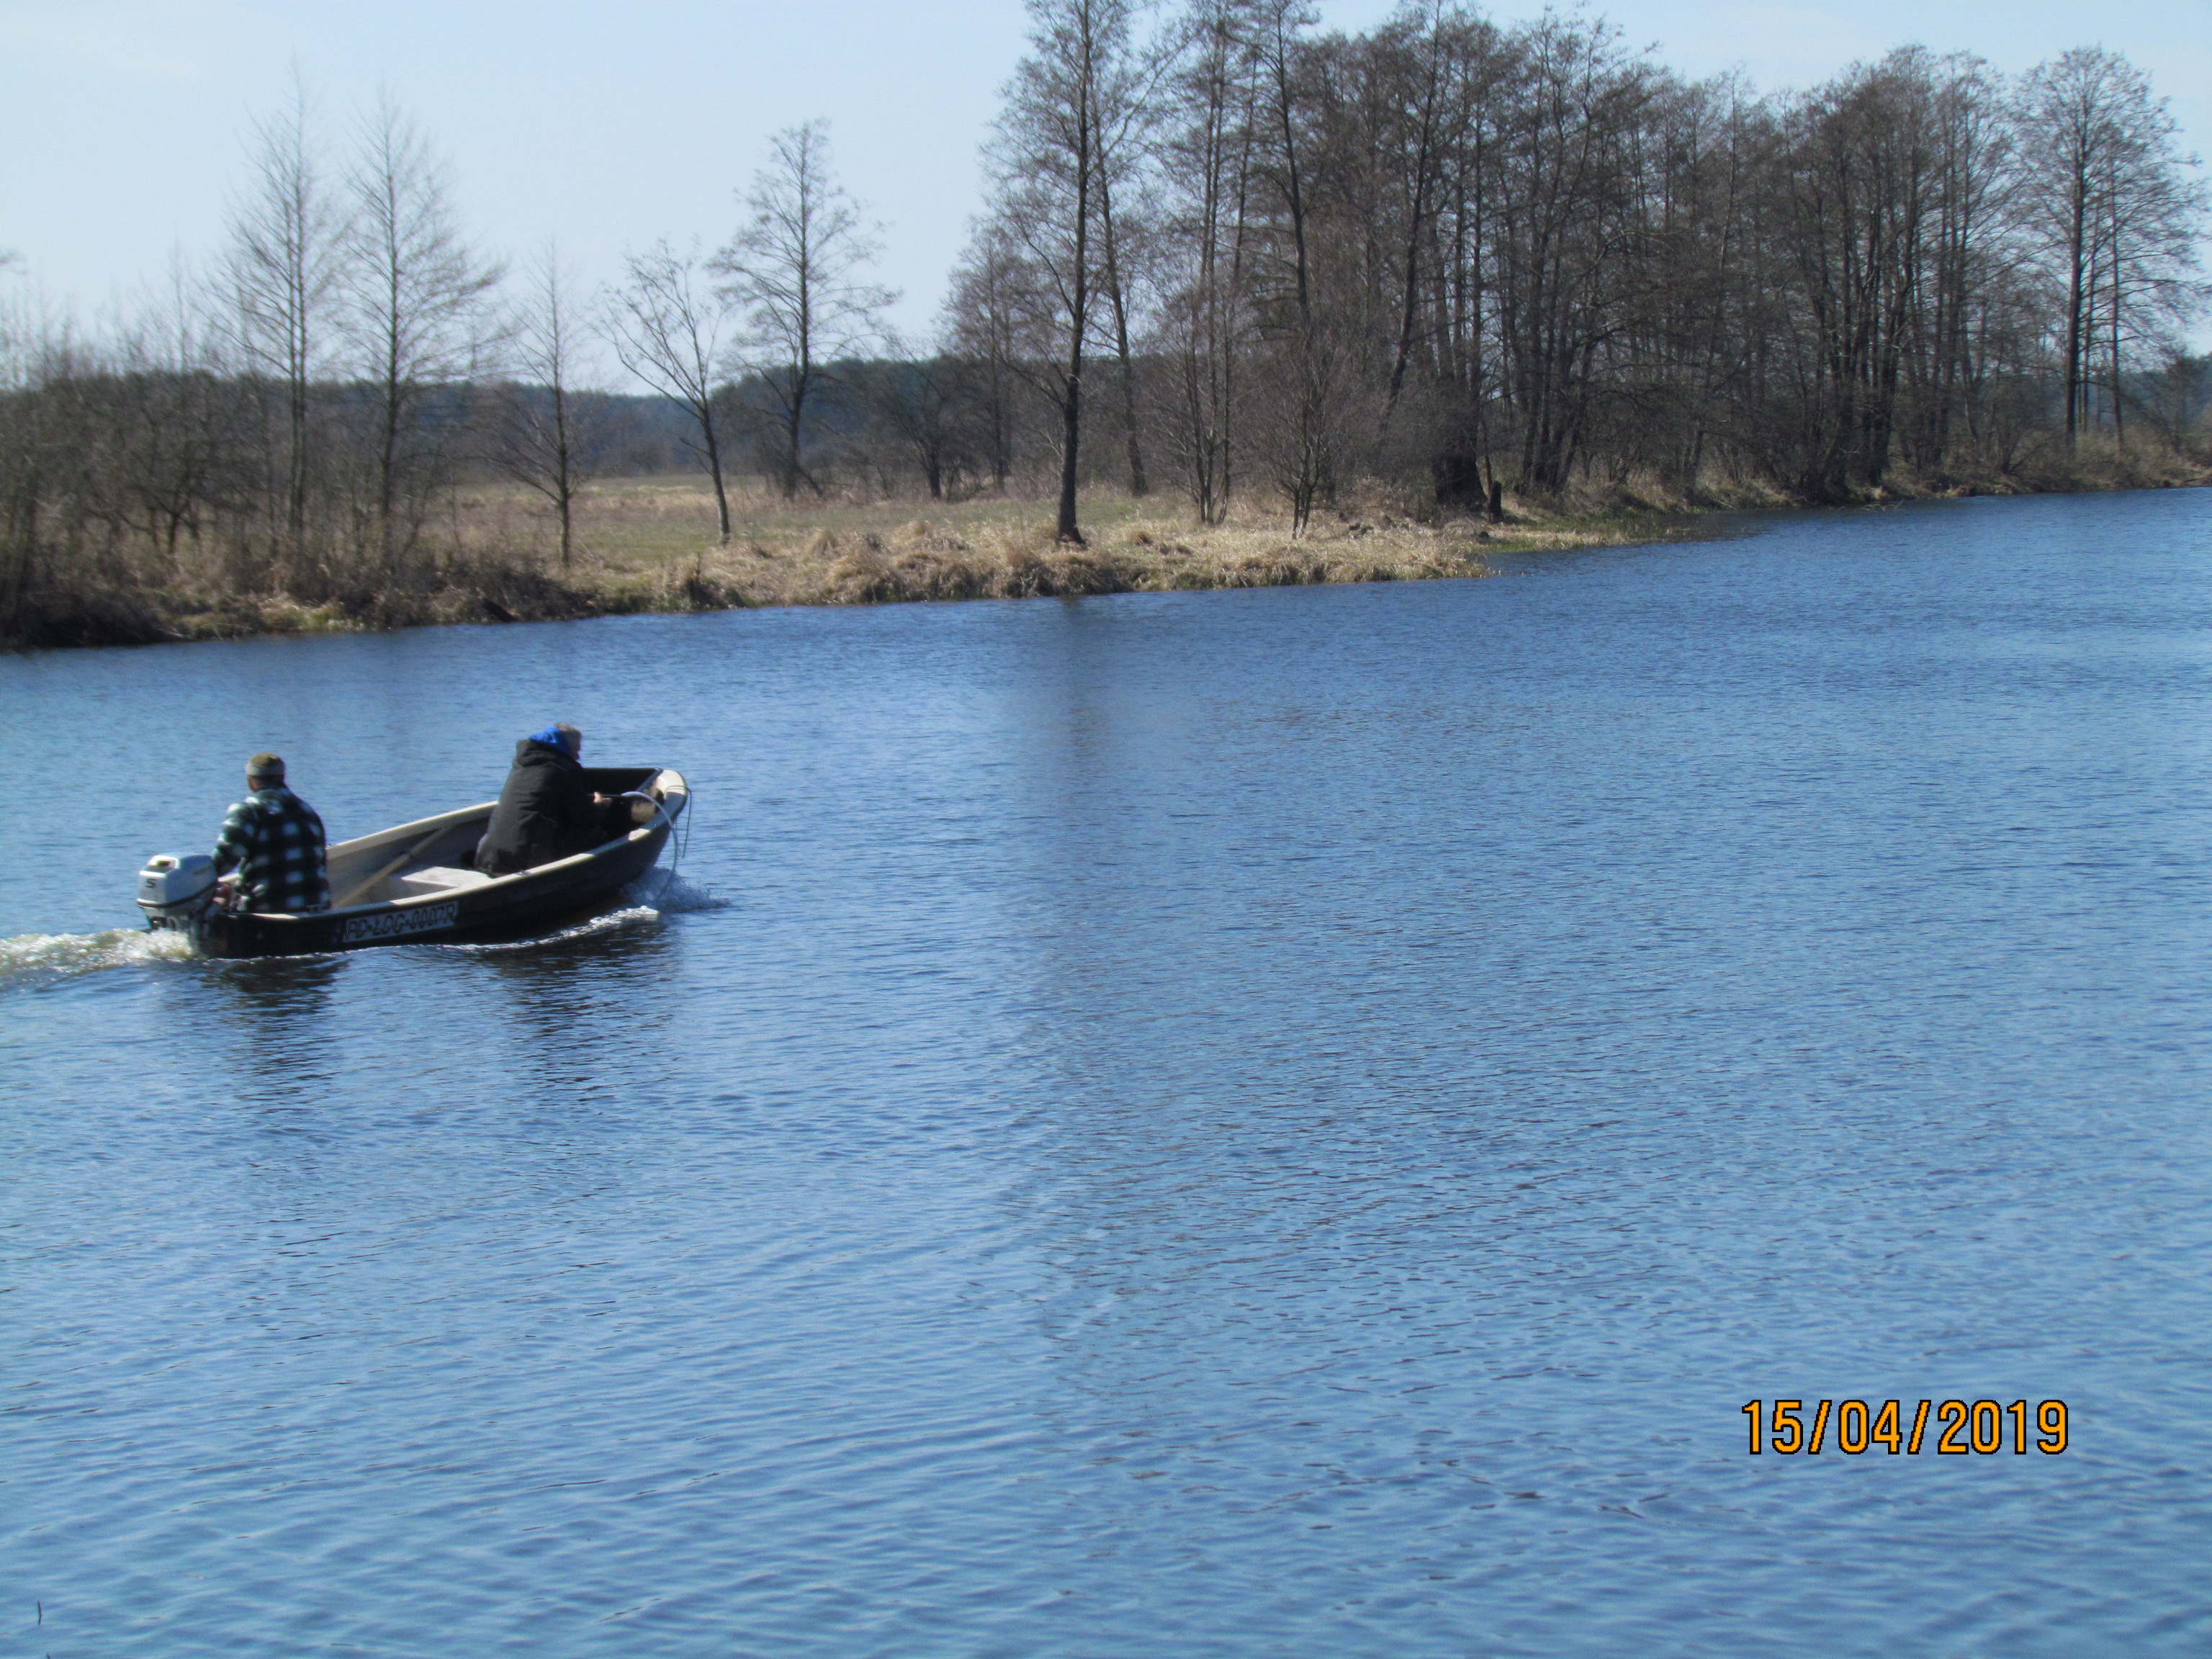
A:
[277,841]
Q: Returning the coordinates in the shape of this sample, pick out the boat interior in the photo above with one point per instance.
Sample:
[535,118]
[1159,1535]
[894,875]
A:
[437,855]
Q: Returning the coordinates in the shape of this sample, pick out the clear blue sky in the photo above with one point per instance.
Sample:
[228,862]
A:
[122,122]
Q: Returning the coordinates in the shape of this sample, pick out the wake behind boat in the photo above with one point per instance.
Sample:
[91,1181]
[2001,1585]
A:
[416,881]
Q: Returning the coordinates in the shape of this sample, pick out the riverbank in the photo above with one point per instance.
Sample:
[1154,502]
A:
[648,545]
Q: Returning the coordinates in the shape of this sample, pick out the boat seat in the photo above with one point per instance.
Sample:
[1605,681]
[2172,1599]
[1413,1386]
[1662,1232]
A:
[437,879]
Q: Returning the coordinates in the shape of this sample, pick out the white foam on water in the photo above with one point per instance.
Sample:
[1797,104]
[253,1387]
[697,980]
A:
[65,956]
[669,895]
[656,894]
[613,922]
[29,958]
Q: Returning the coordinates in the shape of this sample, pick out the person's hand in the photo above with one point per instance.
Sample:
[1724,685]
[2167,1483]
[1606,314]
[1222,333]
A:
[599,799]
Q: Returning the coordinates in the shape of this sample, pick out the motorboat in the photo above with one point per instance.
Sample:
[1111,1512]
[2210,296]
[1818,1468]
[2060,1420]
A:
[417,882]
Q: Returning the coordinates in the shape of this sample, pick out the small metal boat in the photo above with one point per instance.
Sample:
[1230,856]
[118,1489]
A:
[417,881]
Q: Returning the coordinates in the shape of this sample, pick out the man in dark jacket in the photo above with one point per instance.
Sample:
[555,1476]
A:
[547,810]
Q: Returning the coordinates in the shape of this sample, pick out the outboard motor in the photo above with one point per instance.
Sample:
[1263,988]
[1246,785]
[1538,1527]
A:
[175,892]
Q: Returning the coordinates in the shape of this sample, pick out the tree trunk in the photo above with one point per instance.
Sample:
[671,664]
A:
[1071,403]
[1137,484]
[796,410]
[714,467]
[2074,342]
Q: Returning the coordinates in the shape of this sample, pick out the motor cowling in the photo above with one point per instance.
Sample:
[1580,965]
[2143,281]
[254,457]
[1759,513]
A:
[173,891]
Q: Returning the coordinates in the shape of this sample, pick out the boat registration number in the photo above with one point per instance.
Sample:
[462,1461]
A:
[427,919]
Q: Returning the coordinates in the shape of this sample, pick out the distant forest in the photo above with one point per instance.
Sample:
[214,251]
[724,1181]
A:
[1225,257]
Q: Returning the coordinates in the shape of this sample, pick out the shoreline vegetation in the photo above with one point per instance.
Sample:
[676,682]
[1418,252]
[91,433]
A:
[648,545]
[1249,303]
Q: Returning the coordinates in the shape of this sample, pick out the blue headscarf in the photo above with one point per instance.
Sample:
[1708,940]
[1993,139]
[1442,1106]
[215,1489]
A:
[553,737]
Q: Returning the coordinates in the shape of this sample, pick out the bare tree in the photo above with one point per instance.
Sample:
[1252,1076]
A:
[918,403]
[417,311]
[289,255]
[548,437]
[1208,164]
[179,424]
[27,347]
[1128,127]
[2073,118]
[793,281]
[2177,396]
[665,328]
[1300,432]
[2119,221]
[2155,225]
[1277,28]
[983,315]
[1047,156]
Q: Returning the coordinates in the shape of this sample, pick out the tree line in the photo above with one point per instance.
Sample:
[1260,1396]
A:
[1224,253]
[1481,258]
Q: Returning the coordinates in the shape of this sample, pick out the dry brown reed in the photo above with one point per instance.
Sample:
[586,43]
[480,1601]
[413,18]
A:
[648,544]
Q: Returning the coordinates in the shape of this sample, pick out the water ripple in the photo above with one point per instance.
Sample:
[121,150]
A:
[1280,1123]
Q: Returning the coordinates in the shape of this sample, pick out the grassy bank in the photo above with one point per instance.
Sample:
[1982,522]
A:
[648,544]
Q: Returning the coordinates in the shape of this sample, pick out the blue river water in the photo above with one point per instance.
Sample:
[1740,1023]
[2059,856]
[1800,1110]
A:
[1286,1122]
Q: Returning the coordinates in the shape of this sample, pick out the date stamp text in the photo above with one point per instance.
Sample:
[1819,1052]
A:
[1960,1428]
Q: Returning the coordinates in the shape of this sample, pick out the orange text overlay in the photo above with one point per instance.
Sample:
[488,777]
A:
[1953,1428]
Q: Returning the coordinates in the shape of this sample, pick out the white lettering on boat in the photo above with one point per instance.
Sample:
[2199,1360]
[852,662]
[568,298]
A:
[387,924]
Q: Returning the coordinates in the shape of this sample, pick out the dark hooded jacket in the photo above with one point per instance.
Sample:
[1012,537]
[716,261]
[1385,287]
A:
[544,813]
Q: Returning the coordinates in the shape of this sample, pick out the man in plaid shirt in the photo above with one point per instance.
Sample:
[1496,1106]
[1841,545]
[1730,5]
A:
[277,841]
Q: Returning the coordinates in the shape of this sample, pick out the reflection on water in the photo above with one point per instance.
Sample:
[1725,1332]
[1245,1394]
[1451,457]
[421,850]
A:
[1272,1122]
[585,1008]
[270,995]
[272,1016]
